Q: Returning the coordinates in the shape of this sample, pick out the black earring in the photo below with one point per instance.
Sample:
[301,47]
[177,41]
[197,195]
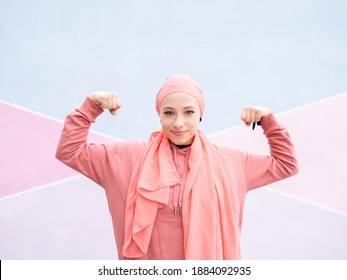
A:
[200,119]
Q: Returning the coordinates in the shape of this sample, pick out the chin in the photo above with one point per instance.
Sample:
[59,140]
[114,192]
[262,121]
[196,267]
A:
[182,141]
[179,143]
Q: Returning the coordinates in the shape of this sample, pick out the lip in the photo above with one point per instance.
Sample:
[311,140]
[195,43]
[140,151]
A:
[178,133]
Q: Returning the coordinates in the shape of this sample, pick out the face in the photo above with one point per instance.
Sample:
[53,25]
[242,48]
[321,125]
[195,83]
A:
[180,116]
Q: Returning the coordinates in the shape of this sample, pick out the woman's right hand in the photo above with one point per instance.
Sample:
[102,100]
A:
[107,100]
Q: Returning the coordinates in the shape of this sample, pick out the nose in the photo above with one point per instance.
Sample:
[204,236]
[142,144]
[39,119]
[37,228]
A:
[178,122]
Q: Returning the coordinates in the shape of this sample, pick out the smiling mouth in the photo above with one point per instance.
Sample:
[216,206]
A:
[178,133]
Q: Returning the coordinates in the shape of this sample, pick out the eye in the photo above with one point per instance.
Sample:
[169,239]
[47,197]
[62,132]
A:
[168,113]
[190,112]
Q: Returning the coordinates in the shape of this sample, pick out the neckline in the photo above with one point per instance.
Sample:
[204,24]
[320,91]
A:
[183,146]
[180,147]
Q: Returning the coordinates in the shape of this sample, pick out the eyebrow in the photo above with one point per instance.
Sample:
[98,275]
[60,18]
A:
[187,107]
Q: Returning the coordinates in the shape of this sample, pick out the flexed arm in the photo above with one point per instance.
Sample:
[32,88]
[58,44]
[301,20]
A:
[89,159]
[282,161]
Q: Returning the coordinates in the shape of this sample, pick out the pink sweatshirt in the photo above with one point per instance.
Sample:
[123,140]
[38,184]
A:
[111,167]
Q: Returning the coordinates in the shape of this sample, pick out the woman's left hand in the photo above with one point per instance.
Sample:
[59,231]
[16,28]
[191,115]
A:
[251,114]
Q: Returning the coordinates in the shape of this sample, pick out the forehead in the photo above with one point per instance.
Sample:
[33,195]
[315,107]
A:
[178,99]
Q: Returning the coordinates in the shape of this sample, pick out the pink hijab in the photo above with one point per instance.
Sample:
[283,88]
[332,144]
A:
[210,204]
[181,83]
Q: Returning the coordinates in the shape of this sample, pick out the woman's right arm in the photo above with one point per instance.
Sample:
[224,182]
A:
[92,160]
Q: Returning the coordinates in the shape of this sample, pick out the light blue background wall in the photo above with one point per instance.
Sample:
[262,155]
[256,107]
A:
[280,54]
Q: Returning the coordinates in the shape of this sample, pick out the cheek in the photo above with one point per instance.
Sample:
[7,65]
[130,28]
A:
[195,127]
[164,123]
[166,126]
[195,122]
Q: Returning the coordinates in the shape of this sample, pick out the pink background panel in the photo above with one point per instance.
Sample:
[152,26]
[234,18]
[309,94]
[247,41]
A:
[29,142]
[320,138]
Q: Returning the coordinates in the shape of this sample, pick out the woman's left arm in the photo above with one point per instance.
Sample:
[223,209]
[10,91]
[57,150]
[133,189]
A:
[282,161]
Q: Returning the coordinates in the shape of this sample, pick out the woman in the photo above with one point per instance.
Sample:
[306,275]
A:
[178,196]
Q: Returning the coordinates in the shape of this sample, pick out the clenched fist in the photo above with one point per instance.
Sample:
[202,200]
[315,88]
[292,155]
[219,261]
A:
[253,114]
[107,100]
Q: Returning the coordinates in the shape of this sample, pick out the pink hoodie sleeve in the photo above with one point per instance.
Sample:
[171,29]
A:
[92,160]
[280,164]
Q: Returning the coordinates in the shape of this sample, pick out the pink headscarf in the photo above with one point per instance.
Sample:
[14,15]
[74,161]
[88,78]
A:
[181,83]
